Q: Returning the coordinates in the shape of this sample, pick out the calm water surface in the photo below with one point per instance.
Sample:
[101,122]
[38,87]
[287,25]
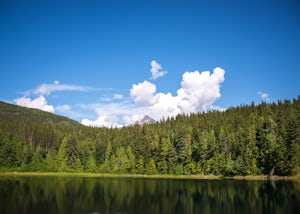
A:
[125,195]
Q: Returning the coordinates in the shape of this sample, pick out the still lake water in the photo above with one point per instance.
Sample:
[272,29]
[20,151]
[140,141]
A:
[132,195]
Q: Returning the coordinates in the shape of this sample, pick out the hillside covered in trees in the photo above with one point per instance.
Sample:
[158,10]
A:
[245,140]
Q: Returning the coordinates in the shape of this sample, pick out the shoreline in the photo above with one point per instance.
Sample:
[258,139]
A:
[107,175]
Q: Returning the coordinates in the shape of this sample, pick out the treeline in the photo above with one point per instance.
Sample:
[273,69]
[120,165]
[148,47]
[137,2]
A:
[246,140]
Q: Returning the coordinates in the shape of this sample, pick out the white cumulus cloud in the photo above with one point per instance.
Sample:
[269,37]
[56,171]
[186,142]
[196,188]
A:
[156,70]
[165,105]
[199,90]
[38,103]
[142,93]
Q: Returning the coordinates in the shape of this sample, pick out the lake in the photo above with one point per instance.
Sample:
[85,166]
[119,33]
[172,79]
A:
[139,195]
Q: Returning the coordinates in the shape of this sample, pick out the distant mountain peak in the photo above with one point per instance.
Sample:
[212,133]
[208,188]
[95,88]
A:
[145,120]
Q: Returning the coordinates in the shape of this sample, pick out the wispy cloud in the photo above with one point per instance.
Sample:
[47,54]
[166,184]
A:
[36,98]
[75,112]
[114,114]
[46,89]
[263,95]
[118,96]
[63,108]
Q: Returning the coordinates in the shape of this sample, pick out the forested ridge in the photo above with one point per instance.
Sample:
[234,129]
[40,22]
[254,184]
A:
[245,140]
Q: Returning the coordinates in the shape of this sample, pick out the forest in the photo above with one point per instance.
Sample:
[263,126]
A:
[255,139]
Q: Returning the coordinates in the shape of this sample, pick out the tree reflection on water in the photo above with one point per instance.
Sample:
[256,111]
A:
[124,195]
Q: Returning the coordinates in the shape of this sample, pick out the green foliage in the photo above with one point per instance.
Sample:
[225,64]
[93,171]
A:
[10,151]
[151,167]
[245,140]
[37,163]
[50,163]
[91,164]
[62,157]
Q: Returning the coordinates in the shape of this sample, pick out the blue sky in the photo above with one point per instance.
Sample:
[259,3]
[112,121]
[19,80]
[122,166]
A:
[92,60]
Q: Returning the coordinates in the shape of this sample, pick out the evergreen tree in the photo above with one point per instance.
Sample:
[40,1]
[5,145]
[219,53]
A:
[251,154]
[62,156]
[10,151]
[50,163]
[130,162]
[37,163]
[140,165]
[91,164]
[151,167]
[245,140]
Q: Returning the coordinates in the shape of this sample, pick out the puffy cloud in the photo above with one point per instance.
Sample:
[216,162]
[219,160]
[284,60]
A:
[199,90]
[156,70]
[142,93]
[263,96]
[38,103]
[165,105]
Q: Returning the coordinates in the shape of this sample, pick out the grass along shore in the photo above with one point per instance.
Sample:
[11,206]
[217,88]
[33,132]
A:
[106,175]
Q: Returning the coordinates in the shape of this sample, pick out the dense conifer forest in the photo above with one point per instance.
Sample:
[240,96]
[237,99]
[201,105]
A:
[245,140]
